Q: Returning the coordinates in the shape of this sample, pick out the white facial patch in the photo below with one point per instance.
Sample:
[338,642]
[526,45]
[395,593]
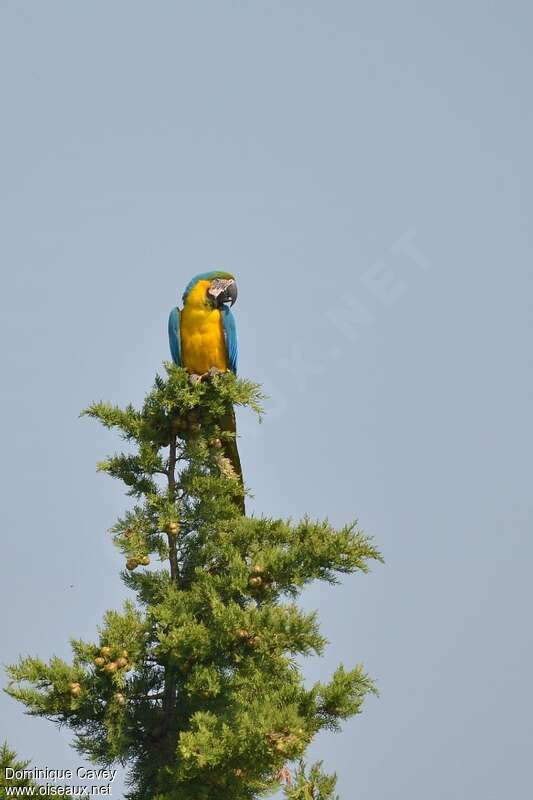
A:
[218,285]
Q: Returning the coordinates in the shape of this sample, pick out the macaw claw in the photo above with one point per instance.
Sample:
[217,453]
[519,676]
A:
[212,373]
[194,378]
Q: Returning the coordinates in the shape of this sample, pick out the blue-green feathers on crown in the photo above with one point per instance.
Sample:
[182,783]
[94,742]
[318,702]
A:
[206,276]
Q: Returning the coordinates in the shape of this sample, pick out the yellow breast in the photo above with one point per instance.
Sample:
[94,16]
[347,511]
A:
[202,334]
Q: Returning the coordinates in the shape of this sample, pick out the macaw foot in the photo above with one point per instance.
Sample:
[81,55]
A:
[212,373]
[194,378]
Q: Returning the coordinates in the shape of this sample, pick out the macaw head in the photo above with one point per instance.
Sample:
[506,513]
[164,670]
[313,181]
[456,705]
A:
[214,288]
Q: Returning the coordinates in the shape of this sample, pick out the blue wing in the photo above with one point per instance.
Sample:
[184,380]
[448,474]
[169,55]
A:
[232,343]
[174,336]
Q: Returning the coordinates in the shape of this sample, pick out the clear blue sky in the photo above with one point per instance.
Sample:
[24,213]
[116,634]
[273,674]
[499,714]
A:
[366,172]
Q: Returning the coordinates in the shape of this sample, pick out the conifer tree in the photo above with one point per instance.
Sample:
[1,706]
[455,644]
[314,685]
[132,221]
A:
[195,685]
[9,763]
[16,777]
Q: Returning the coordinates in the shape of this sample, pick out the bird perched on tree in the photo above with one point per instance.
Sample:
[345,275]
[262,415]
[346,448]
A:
[203,340]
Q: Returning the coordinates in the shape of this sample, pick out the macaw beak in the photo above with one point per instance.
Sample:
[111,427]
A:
[222,291]
[229,295]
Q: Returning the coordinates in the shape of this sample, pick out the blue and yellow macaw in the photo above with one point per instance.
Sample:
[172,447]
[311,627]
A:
[203,339]
[203,335]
